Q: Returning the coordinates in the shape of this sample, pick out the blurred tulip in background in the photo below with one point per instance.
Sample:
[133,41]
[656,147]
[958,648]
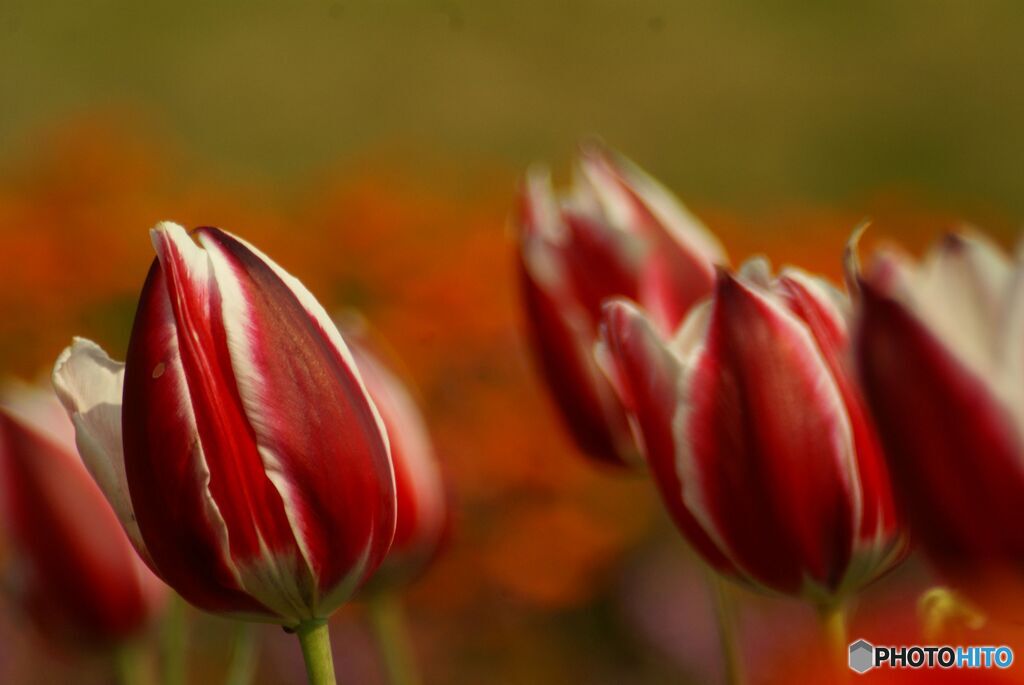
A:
[616,232]
[940,347]
[70,568]
[422,513]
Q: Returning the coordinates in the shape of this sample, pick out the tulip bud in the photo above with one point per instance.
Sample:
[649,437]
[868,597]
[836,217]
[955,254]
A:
[71,568]
[237,442]
[422,507]
[617,233]
[940,354]
[756,435]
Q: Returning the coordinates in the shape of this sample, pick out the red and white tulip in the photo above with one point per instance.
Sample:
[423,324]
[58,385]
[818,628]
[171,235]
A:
[422,505]
[940,348]
[757,436]
[71,569]
[618,232]
[237,443]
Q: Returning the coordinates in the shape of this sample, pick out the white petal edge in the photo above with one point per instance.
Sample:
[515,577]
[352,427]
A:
[250,383]
[89,384]
[606,173]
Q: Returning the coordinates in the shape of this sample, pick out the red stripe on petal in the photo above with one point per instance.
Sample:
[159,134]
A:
[599,261]
[769,439]
[586,401]
[163,462]
[314,423]
[648,380]
[827,325]
[248,501]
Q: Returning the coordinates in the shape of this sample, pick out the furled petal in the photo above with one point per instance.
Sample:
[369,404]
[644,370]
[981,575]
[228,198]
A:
[562,330]
[766,441]
[599,261]
[585,399]
[960,292]
[89,385]
[823,311]
[680,255]
[647,376]
[181,424]
[953,447]
[321,443]
[422,509]
[82,580]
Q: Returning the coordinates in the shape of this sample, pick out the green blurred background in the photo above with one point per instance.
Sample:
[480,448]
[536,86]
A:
[745,104]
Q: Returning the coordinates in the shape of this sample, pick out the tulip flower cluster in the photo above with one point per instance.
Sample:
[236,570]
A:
[266,465]
[736,387]
[788,426]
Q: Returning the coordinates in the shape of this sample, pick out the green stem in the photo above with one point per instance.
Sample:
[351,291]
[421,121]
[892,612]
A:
[172,643]
[130,664]
[833,627]
[725,610]
[243,659]
[315,641]
[387,622]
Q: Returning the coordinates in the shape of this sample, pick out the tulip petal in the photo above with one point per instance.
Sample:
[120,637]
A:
[679,267]
[173,414]
[647,376]
[82,573]
[953,447]
[599,262]
[960,290]
[330,466]
[817,304]
[89,385]
[584,397]
[766,441]
[421,500]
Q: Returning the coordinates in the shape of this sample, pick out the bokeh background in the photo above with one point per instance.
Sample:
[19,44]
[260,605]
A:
[373,148]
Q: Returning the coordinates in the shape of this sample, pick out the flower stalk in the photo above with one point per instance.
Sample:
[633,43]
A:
[389,631]
[833,627]
[728,637]
[315,640]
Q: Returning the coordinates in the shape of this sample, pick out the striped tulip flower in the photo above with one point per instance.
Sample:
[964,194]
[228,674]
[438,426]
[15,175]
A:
[618,232]
[237,442]
[757,436]
[940,348]
[72,570]
[422,505]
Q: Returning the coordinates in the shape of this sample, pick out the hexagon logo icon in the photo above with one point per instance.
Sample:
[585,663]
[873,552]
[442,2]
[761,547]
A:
[862,656]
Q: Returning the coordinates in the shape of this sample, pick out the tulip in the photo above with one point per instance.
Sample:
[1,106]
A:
[237,443]
[73,571]
[757,436]
[940,353]
[617,233]
[422,508]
